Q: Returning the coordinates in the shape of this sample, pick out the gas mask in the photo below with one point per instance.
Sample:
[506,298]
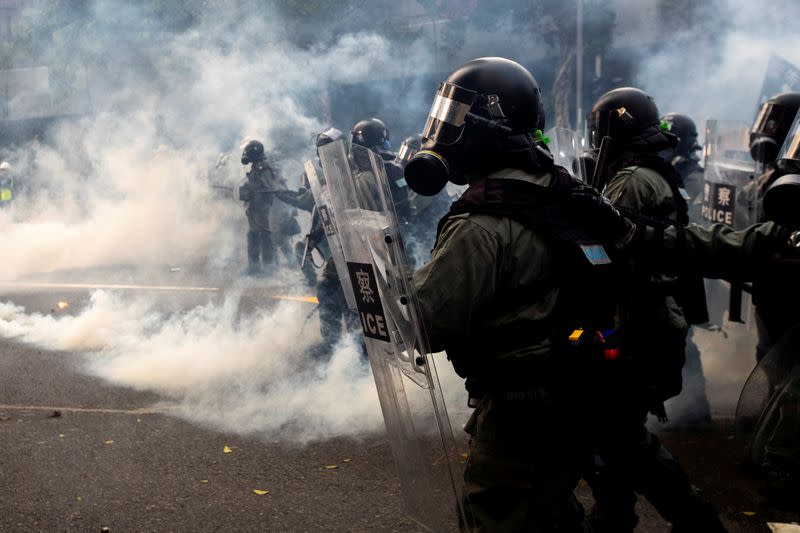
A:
[443,149]
[763,149]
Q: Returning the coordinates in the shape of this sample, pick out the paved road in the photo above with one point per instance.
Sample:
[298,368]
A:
[111,460]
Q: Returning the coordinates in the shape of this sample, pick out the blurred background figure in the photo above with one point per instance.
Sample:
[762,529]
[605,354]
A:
[6,185]
[257,194]
[372,133]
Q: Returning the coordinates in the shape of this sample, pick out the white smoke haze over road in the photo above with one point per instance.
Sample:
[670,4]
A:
[247,374]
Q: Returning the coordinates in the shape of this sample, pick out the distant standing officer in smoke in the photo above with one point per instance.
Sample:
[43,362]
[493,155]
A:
[257,193]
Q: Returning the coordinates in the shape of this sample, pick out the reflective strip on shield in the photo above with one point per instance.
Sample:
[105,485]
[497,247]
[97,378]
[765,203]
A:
[5,195]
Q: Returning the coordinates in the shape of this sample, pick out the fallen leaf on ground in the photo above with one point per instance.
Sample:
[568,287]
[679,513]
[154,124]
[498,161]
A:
[227,449]
[331,467]
[260,492]
[346,460]
[109,442]
[465,456]
[60,435]
[5,418]
[203,481]
[748,513]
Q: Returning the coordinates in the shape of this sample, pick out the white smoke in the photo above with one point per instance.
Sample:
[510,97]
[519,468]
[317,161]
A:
[715,69]
[242,373]
[130,184]
[128,188]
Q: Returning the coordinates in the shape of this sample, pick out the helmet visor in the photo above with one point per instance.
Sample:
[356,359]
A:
[406,153]
[448,113]
[771,119]
[791,147]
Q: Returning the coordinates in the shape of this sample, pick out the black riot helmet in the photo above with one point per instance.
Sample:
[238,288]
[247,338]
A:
[629,117]
[408,149]
[252,152]
[327,137]
[370,133]
[684,128]
[772,125]
[486,115]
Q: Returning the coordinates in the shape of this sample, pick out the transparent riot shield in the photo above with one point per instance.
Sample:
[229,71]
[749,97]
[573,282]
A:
[729,169]
[768,412]
[411,398]
[728,174]
[322,199]
[567,147]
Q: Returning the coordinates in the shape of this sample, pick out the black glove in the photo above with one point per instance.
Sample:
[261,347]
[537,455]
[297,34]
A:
[288,197]
[595,211]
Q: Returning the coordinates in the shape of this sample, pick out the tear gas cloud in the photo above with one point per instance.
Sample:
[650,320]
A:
[130,184]
[715,66]
[244,374]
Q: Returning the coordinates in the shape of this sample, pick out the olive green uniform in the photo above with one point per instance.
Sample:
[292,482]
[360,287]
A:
[524,457]
[529,441]
[655,333]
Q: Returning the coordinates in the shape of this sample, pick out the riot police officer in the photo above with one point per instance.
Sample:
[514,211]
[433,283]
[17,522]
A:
[372,133]
[257,194]
[777,456]
[333,309]
[768,134]
[628,135]
[489,292]
[684,159]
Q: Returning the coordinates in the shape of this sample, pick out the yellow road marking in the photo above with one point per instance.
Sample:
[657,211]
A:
[140,411]
[38,285]
[43,285]
[304,299]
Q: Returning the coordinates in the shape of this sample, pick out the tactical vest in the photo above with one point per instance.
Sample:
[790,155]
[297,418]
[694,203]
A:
[581,328]
[688,289]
